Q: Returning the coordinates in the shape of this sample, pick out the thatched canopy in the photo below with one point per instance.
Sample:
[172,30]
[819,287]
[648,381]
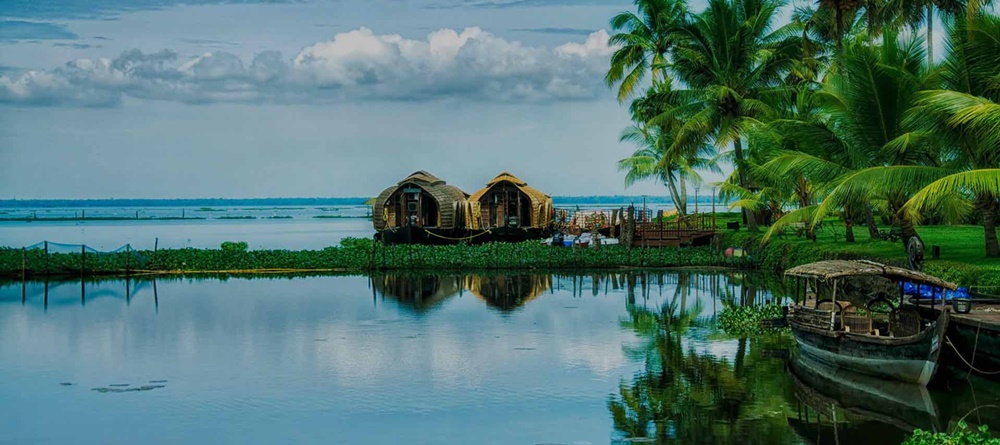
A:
[541,204]
[828,270]
[450,199]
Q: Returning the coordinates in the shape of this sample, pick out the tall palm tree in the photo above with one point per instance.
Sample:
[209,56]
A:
[921,12]
[966,118]
[732,62]
[658,156]
[869,103]
[644,38]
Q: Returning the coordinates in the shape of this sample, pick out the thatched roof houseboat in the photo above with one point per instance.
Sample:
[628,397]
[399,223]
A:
[509,203]
[420,206]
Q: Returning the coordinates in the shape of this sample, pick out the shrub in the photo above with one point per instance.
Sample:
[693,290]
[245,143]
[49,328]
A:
[234,246]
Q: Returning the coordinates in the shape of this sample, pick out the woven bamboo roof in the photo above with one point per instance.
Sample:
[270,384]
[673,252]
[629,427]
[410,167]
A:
[540,202]
[827,270]
[450,199]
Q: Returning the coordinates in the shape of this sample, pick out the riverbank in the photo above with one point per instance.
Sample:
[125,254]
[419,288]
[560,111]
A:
[963,259]
[356,255]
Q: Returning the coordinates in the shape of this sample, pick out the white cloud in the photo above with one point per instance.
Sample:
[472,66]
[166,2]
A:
[356,65]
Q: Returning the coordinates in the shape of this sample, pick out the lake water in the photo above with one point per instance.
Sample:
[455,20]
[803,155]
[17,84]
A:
[494,359]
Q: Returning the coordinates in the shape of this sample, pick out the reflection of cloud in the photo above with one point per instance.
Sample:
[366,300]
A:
[356,65]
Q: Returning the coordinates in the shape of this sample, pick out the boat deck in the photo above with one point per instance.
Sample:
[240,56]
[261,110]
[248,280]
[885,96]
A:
[982,315]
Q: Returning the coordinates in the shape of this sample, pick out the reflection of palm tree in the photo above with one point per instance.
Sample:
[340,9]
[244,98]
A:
[680,396]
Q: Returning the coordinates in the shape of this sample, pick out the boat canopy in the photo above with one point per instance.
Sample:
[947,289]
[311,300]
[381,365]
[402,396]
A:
[828,270]
[434,202]
[537,211]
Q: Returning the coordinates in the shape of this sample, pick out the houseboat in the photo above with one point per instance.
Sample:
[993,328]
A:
[883,338]
[509,210]
[420,209]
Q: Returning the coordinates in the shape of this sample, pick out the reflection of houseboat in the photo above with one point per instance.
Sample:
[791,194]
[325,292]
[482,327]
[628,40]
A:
[420,209]
[883,338]
[507,292]
[508,209]
[417,291]
[862,398]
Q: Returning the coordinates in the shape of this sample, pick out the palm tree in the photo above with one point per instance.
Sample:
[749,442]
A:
[966,117]
[921,12]
[657,156]
[732,62]
[880,158]
[644,39]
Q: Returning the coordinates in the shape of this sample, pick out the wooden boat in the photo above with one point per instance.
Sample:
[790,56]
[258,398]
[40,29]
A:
[509,210]
[894,343]
[420,209]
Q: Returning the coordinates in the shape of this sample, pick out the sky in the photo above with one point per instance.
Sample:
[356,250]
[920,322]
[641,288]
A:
[311,98]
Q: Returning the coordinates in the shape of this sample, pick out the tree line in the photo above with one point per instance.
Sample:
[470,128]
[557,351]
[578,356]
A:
[843,111]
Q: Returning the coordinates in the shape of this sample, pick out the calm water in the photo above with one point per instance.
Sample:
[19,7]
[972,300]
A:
[495,359]
[283,227]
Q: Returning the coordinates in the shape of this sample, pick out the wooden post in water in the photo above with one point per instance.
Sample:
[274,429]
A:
[128,255]
[24,263]
[45,297]
[83,265]
[46,258]
[156,246]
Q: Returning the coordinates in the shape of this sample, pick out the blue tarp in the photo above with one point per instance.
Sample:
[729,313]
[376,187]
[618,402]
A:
[927,291]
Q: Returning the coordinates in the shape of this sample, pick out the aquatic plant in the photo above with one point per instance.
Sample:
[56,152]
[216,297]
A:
[963,435]
[744,321]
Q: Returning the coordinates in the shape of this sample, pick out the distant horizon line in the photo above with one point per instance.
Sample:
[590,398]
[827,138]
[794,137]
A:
[352,200]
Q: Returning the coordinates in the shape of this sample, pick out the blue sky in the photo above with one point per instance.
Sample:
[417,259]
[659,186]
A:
[163,98]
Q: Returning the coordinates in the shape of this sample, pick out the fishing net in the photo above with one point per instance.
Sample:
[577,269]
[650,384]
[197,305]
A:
[56,257]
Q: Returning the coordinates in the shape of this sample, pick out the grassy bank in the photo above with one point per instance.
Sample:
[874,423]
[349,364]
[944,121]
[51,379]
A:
[963,257]
[356,255]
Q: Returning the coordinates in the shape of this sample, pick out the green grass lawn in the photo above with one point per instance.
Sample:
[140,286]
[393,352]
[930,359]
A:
[963,253]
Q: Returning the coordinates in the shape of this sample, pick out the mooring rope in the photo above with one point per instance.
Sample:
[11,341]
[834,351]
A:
[456,239]
[959,354]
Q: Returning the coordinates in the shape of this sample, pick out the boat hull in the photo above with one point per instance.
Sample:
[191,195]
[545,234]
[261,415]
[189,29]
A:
[508,234]
[911,359]
[422,235]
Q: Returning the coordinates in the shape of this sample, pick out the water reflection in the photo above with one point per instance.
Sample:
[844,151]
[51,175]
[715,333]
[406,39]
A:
[628,357]
[420,292]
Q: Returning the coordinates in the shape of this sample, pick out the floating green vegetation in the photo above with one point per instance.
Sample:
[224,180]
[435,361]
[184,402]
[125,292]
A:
[744,321]
[209,209]
[963,435]
[358,255]
[328,209]
[237,217]
[280,217]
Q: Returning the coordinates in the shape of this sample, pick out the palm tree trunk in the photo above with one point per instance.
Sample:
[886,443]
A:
[849,224]
[930,34]
[988,205]
[684,196]
[741,172]
[675,196]
[908,230]
[870,217]
[839,17]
